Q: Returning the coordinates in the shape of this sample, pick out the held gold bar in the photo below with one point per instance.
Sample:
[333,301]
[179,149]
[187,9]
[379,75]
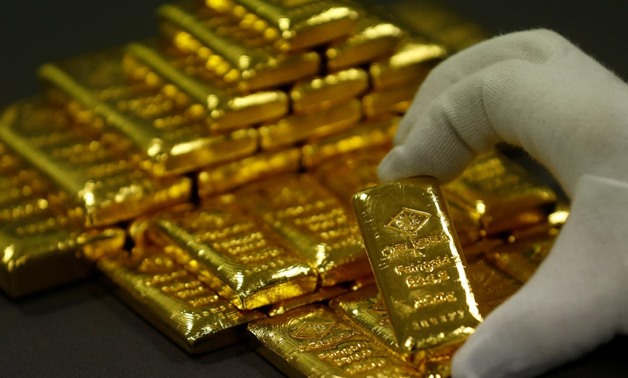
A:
[163,122]
[315,342]
[301,24]
[223,178]
[313,222]
[391,100]
[239,255]
[374,38]
[101,179]
[409,64]
[324,92]
[240,56]
[297,128]
[417,262]
[175,301]
[521,258]
[323,294]
[366,135]
[226,109]
[501,193]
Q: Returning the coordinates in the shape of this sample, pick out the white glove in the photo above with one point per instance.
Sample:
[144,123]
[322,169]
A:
[536,90]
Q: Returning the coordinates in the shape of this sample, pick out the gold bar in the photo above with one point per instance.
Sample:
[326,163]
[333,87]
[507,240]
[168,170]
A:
[315,342]
[226,108]
[301,24]
[502,194]
[323,294]
[296,128]
[391,100]
[324,92]
[361,282]
[164,123]
[477,249]
[490,286]
[521,258]
[241,56]
[101,178]
[366,135]
[417,263]
[409,64]
[240,257]
[374,38]
[312,222]
[220,179]
[175,301]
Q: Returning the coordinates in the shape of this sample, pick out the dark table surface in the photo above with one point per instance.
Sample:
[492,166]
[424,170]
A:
[82,329]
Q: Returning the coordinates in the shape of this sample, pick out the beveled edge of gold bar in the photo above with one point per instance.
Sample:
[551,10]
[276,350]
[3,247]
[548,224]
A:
[221,178]
[221,323]
[322,294]
[398,254]
[321,93]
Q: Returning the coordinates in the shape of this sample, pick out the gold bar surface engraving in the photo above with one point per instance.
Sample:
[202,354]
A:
[417,262]
[102,179]
[315,342]
[239,255]
[313,222]
[174,300]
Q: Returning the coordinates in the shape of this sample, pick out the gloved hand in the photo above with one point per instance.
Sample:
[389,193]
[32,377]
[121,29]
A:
[536,90]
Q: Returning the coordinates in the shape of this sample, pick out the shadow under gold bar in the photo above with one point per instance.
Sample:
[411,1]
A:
[299,127]
[502,194]
[245,59]
[313,341]
[324,92]
[390,100]
[101,179]
[522,258]
[417,263]
[226,108]
[175,301]
[322,294]
[239,255]
[162,121]
[366,135]
[374,38]
[301,24]
[312,221]
[223,178]
[411,63]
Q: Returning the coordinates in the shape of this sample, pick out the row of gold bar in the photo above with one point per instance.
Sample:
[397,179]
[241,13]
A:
[208,174]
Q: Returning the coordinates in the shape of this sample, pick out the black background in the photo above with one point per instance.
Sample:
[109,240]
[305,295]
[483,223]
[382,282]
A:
[82,330]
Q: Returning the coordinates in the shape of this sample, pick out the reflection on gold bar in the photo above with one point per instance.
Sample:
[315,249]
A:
[245,57]
[227,110]
[321,295]
[170,129]
[101,178]
[372,134]
[296,128]
[323,92]
[226,177]
[417,263]
[238,255]
[521,258]
[501,192]
[394,100]
[373,39]
[490,287]
[313,222]
[409,64]
[175,301]
[299,24]
[361,282]
[315,342]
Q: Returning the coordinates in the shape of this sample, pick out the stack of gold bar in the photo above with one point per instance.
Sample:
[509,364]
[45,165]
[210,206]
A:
[208,172]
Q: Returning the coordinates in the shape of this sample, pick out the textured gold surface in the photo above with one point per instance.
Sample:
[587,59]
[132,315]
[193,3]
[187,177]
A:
[521,258]
[174,300]
[417,263]
[249,58]
[313,222]
[323,92]
[98,172]
[235,254]
[315,342]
